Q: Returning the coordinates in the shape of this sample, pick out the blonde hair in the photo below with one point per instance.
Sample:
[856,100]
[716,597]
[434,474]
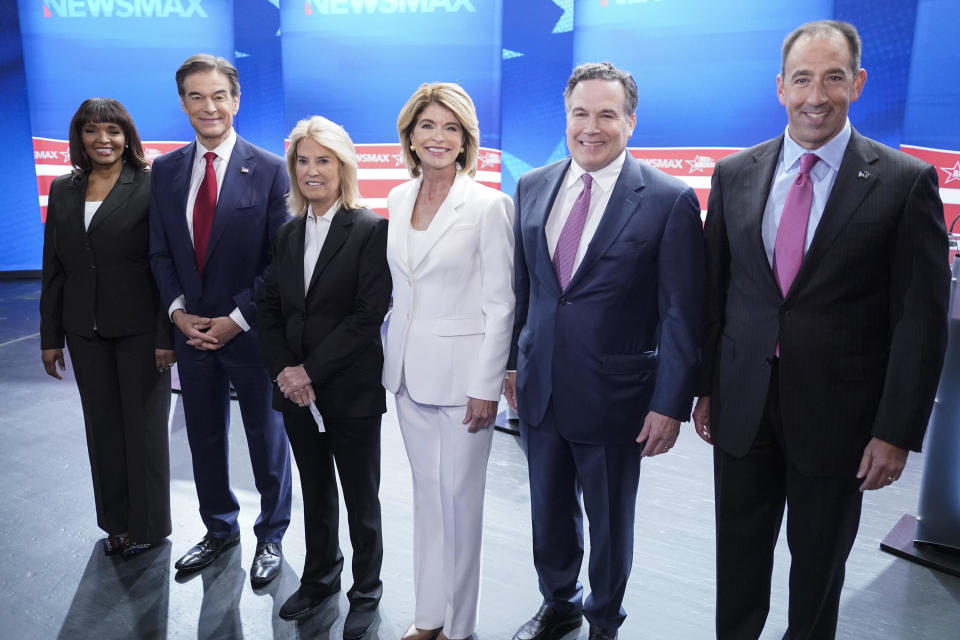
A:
[453,97]
[334,137]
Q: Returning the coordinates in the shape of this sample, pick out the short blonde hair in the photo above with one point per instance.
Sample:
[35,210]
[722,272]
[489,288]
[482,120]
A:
[453,97]
[334,137]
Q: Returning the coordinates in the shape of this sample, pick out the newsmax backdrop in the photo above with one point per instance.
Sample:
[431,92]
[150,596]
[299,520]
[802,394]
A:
[706,73]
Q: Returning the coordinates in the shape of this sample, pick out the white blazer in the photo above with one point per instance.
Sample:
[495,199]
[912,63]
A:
[449,332]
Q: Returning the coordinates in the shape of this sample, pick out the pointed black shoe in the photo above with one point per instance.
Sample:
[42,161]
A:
[267,563]
[358,623]
[548,624]
[205,552]
[300,605]
[599,633]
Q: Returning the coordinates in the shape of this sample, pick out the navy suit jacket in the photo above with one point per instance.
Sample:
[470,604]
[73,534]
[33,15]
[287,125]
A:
[250,209]
[624,337]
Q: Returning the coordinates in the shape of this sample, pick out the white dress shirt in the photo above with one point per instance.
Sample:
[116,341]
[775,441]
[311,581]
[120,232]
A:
[223,151]
[823,175]
[600,190]
[314,237]
[90,208]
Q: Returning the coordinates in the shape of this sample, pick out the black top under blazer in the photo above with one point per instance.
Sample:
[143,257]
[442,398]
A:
[100,277]
[334,331]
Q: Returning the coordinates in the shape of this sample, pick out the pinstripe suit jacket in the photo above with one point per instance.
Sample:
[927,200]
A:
[863,328]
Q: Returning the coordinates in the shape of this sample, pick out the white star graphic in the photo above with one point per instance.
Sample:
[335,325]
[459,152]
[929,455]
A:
[565,22]
[487,160]
[953,173]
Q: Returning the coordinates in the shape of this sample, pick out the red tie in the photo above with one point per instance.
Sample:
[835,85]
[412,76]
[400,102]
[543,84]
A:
[203,210]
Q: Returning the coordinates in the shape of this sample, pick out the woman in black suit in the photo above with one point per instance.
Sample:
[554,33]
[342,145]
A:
[319,314]
[99,296]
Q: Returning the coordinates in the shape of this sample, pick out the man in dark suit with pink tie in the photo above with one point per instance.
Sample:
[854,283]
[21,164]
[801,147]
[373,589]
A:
[215,207]
[827,286]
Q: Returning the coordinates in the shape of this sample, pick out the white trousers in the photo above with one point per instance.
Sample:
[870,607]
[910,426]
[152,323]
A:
[449,466]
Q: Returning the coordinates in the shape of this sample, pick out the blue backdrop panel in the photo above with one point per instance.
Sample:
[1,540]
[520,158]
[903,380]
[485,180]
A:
[257,29]
[357,61]
[887,31]
[22,231]
[123,49]
[932,114]
[706,71]
[537,58]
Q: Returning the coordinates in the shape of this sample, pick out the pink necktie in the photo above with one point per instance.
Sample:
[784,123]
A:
[569,240]
[792,232]
[203,210]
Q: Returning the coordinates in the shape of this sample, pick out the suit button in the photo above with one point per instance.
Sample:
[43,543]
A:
[93,267]
[564,300]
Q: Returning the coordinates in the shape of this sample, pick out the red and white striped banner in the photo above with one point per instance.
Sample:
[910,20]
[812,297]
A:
[693,165]
[948,171]
[52,159]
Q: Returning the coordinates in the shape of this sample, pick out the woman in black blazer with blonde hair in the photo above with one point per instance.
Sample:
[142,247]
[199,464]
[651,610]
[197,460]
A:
[98,296]
[319,313]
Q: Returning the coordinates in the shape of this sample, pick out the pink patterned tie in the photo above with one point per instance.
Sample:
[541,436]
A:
[569,240]
[792,232]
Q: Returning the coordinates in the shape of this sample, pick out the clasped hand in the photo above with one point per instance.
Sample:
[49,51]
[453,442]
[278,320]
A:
[205,334]
[296,386]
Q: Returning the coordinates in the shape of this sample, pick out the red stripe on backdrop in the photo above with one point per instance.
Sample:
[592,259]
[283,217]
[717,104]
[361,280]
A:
[947,163]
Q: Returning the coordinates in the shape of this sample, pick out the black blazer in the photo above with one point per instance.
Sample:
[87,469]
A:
[100,276]
[864,326]
[334,331]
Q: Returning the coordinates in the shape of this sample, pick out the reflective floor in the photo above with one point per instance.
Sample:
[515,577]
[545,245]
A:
[56,583]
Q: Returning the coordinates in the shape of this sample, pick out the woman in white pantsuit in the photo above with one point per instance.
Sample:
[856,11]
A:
[450,250]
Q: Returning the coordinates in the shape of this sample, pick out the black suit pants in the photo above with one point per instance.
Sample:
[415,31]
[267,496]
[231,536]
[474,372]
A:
[823,514]
[126,403]
[354,445]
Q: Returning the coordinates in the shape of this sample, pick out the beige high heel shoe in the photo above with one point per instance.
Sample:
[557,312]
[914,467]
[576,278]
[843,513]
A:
[413,633]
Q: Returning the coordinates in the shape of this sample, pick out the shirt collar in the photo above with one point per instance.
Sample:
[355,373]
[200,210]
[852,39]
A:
[831,154]
[328,216]
[223,150]
[605,178]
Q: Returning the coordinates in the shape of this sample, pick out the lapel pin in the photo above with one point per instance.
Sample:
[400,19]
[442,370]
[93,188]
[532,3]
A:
[244,170]
[863,174]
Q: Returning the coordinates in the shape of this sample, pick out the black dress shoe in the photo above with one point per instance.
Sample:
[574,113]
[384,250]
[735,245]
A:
[113,545]
[301,604]
[599,633]
[548,624]
[267,563]
[358,623]
[205,552]
[132,549]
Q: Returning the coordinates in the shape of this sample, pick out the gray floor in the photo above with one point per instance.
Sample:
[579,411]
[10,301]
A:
[55,582]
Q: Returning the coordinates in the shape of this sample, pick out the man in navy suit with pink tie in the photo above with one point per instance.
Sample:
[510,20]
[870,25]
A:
[215,207]
[609,271]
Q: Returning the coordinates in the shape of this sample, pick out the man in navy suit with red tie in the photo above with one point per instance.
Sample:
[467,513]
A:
[215,207]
